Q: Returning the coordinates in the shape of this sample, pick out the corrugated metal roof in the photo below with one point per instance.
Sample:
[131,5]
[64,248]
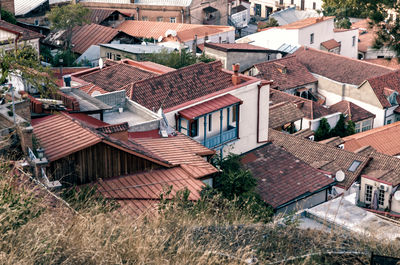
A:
[23,7]
[209,106]
[164,2]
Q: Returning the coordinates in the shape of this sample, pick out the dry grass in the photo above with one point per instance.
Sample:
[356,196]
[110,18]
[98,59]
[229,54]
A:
[56,235]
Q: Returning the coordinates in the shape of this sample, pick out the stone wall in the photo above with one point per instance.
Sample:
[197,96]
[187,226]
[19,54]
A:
[8,5]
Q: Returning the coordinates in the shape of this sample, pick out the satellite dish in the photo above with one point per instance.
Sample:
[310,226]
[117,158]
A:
[397,195]
[170,32]
[340,176]
[160,38]
[101,63]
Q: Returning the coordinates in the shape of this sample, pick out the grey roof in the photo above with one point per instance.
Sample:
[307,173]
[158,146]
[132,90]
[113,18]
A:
[164,2]
[86,102]
[23,7]
[288,48]
[136,48]
[92,54]
[291,15]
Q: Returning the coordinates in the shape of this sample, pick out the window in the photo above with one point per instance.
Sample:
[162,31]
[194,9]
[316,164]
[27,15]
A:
[160,19]
[234,110]
[354,41]
[109,55]
[366,125]
[172,20]
[210,122]
[381,197]
[292,2]
[368,193]
[36,22]
[281,2]
[145,18]
[388,121]
[118,57]
[353,167]
[194,128]
[358,126]
[314,5]
[311,38]
[392,98]
[257,10]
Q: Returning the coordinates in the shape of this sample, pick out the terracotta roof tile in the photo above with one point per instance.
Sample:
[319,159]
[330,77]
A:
[388,81]
[355,113]
[296,74]
[306,22]
[311,110]
[333,141]
[351,71]
[388,167]
[330,44]
[381,139]
[26,33]
[392,63]
[91,88]
[98,34]
[114,128]
[282,177]
[329,158]
[283,113]
[97,16]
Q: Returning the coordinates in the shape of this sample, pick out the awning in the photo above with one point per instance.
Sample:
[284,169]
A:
[209,106]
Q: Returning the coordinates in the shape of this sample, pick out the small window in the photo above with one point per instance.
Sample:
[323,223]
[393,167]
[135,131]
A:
[36,22]
[353,167]
[109,55]
[388,121]
[311,38]
[145,18]
[210,122]
[368,193]
[292,2]
[393,99]
[234,110]
[172,20]
[281,2]
[381,197]
[354,41]
[118,57]
[366,125]
[194,128]
[160,19]
[314,5]
[358,127]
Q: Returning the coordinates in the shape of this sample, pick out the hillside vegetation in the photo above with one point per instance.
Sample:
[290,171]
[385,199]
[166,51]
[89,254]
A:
[36,228]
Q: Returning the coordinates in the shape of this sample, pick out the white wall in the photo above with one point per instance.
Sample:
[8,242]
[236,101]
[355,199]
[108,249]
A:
[375,185]
[305,203]
[346,40]
[323,31]
[332,120]
[5,35]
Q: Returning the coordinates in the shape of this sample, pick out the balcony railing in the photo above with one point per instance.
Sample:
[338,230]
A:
[220,139]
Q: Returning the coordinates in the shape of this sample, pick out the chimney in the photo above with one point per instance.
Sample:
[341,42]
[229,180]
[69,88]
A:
[194,48]
[235,76]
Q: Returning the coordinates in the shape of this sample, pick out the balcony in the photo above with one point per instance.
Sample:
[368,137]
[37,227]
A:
[220,139]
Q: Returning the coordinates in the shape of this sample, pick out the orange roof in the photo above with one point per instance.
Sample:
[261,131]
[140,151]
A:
[85,36]
[90,88]
[305,22]
[180,150]
[390,62]
[381,139]
[366,36]
[330,44]
[185,32]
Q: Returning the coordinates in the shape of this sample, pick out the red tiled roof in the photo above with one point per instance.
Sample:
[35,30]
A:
[209,106]
[389,81]
[91,88]
[97,16]
[91,34]
[150,66]
[355,113]
[304,23]
[366,36]
[382,139]
[234,47]
[26,33]
[114,128]
[392,63]
[282,177]
[180,86]
[147,134]
[141,192]
[60,136]
[115,77]
[311,110]
[351,71]
[185,32]
[283,113]
[87,120]
[330,44]
[296,74]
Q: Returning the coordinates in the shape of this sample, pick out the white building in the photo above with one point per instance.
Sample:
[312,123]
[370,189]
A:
[311,32]
[264,8]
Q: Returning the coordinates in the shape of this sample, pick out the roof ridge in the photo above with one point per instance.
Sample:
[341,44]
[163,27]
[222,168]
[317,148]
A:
[372,131]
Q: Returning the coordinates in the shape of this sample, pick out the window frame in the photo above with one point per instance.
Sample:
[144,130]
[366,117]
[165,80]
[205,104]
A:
[160,19]
[172,20]
[210,122]
[365,126]
[353,41]
[194,128]
[312,38]
[381,197]
[234,112]
[368,193]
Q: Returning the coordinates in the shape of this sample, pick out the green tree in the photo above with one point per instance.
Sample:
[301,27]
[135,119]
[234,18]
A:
[66,17]
[343,23]
[8,16]
[350,128]
[324,130]
[272,22]
[340,127]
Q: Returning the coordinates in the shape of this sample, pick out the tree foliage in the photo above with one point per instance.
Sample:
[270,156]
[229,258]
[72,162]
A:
[175,59]
[66,17]
[272,22]
[324,130]
[341,129]
[8,17]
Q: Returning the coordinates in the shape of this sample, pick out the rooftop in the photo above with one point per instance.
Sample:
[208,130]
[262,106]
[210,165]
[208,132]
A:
[136,48]
[282,177]
[330,44]
[283,113]
[235,47]
[354,112]
[86,102]
[381,139]
[321,156]
[382,84]
[97,16]
[291,15]
[286,73]
[392,63]
[366,35]
[352,71]
[311,109]
[184,32]
[23,7]
[26,33]
[164,2]
[305,23]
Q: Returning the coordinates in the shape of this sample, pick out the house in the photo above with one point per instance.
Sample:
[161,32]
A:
[362,118]
[32,12]
[17,34]
[129,51]
[176,35]
[106,17]
[239,53]
[282,116]
[264,8]
[367,35]
[291,14]
[381,139]
[286,182]
[289,75]
[239,15]
[80,41]
[356,81]
[346,166]
[173,11]
[313,32]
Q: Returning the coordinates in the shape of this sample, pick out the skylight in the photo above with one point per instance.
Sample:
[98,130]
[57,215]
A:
[353,167]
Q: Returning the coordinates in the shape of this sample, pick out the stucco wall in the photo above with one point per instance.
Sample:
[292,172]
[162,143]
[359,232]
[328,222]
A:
[375,186]
[322,31]
[305,203]
[346,40]
[122,54]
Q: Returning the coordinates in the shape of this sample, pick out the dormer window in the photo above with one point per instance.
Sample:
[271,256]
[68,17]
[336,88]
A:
[393,99]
